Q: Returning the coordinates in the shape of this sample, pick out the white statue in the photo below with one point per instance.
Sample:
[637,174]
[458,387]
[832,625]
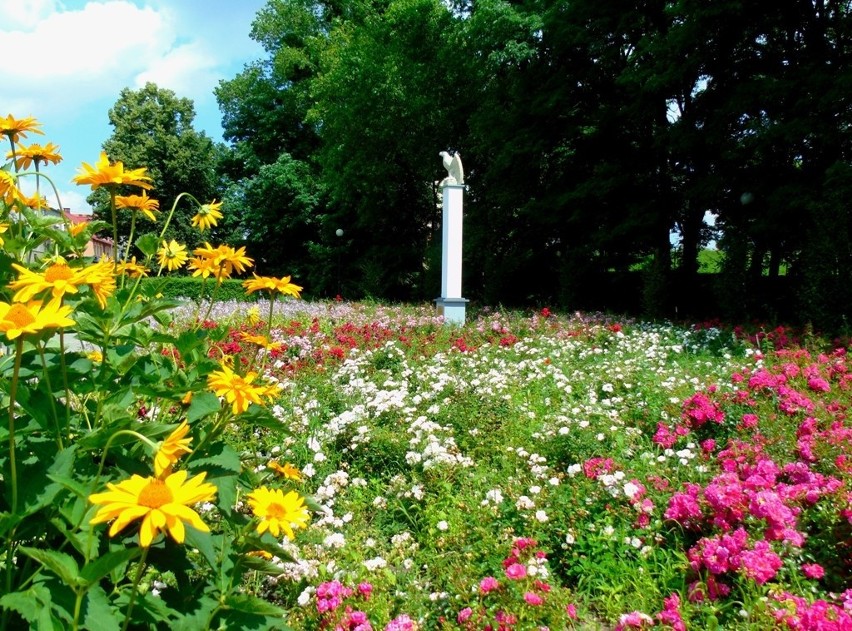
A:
[453,165]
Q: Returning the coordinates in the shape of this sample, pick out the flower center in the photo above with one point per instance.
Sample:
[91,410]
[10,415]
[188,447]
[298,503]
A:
[20,315]
[57,272]
[155,494]
[275,511]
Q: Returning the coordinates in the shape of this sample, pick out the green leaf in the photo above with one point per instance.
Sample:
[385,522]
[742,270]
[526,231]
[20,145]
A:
[99,615]
[61,564]
[29,603]
[246,603]
[148,244]
[259,416]
[203,404]
[204,543]
[94,571]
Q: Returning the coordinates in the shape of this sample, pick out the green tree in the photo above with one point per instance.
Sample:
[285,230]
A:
[152,128]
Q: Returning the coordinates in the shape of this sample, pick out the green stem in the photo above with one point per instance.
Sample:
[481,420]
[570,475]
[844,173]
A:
[129,244]
[78,605]
[55,414]
[65,382]
[212,302]
[139,569]
[13,469]
[114,222]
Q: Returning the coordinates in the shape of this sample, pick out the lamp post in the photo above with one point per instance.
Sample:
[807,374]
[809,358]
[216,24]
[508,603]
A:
[339,233]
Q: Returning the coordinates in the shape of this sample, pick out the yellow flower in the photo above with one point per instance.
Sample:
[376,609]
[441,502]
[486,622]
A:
[203,267]
[287,470]
[18,128]
[239,391]
[172,255]
[278,512]
[34,202]
[20,319]
[163,505]
[260,340]
[271,284]
[253,315]
[171,450]
[207,215]
[187,398]
[101,280]
[58,278]
[26,156]
[131,268]
[95,356]
[9,191]
[225,259]
[106,174]
[142,203]
[3,228]
[78,228]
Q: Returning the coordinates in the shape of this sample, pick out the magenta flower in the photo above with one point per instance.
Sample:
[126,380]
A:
[516,571]
[813,570]
[464,614]
[533,599]
[488,584]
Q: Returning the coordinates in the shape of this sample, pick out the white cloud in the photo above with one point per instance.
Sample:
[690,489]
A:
[69,58]
[25,13]
[189,70]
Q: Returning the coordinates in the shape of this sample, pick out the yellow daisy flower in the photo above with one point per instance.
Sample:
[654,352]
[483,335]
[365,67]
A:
[58,278]
[278,512]
[171,450]
[106,174]
[131,268]
[239,391]
[163,505]
[25,157]
[208,215]
[272,284]
[172,255]
[225,259]
[21,319]
[3,228]
[286,470]
[78,228]
[253,315]
[142,203]
[9,191]
[95,355]
[202,266]
[101,280]
[18,128]
[260,340]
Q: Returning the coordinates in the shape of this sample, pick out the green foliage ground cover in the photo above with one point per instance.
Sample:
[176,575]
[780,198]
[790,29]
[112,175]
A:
[445,458]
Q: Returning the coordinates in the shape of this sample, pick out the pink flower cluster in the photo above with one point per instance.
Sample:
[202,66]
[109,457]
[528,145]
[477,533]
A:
[669,617]
[330,601]
[798,614]
[699,409]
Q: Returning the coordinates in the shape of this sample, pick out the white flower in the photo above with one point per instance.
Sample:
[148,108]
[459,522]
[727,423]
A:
[541,516]
[442,526]
[305,597]
[630,490]
[524,503]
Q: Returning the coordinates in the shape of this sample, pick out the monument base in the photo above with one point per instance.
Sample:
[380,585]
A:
[453,309]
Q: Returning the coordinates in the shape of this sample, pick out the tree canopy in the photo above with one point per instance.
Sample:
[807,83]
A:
[591,132]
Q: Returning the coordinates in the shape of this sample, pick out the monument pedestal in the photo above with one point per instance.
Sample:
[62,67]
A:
[451,305]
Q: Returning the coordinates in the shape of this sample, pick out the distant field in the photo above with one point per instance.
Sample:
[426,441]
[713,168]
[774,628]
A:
[710,261]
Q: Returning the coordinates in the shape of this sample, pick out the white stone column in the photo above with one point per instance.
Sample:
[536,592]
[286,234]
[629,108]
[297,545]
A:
[451,304]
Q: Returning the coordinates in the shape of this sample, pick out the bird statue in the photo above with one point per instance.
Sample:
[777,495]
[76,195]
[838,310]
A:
[454,168]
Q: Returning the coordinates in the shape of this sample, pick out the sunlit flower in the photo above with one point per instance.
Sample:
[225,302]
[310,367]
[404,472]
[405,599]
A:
[18,128]
[225,259]
[106,174]
[253,315]
[131,268]
[260,340]
[239,391]
[162,504]
[272,284]
[95,355]
[172,255]
[144,204]
[78,228]
[59,278]
[34,201]
[171,449]
[21,319]
[25,157]
[201,266]
[9,191]
[208,215]
[101,280]
[286,470]
[3,228]
[278,512]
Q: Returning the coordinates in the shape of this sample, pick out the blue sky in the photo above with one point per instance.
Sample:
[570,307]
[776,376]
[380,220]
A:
[65,63]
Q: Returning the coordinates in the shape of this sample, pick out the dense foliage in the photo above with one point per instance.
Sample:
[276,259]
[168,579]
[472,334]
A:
[589,132]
